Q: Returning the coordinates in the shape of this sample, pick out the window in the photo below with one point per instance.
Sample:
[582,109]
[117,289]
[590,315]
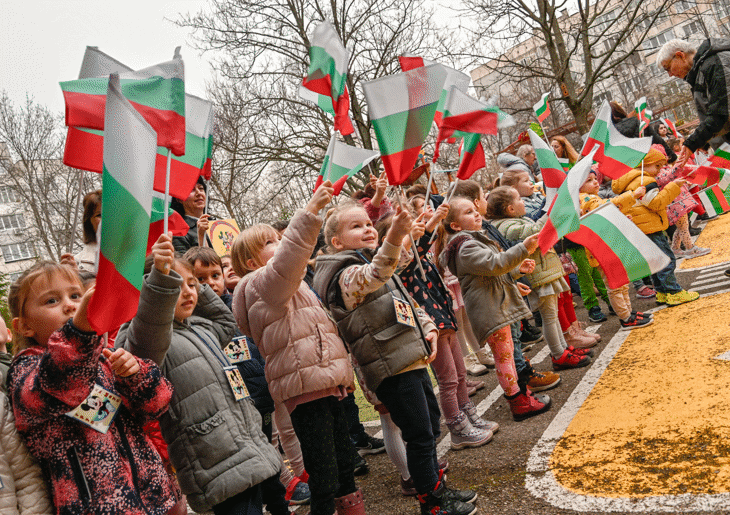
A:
[722,7]
[605,20]
[684,5]
[693,28]
[8,194]
[657,41]
[17,251]
[599,98]
[8,222]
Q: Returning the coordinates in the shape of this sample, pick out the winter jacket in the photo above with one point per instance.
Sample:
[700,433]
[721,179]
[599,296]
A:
[491,297]
[117,472]
[709,78]
[548,267]
[24,489]
[630,127]
[590,202]
[215,442]
[534,205]
[274,306]
[649,216]
[190,240]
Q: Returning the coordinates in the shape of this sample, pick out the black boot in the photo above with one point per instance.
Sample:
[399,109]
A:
[442,502]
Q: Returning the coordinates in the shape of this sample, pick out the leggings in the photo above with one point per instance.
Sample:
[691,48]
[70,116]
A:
[587,278]
[548,307]
[566,310]
[503,350]
[451,374]
[681,234]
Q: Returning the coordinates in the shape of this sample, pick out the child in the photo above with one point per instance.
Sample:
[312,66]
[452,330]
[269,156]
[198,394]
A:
[230,278]
[493,300]
[589,200]
[359,288]
[306,362]
[507,212]
[5,357]
[373,198]
[214,437]
[106,466]
[650,215]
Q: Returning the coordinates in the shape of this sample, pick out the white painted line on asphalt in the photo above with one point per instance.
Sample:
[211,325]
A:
[725,356]
[711,267]
[710,286]
[715,273]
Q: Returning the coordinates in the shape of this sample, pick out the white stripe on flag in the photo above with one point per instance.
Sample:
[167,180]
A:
[325,37]
[404,91]
[349,157]
[724,181]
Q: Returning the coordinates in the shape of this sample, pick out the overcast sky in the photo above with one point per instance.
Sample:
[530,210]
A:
[42,42]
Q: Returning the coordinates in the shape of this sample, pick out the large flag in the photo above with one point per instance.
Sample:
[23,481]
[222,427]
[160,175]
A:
[714,201]
[550,168]
[471,154]
[402,107]
[624,252]
[565,213]
[157,92]
[129,165]
[175,223]
[328,73]
[322,101]
[84,146]
[454,77]
[616,153]
[542,108]
[341,162]
[721,157]
[671,129]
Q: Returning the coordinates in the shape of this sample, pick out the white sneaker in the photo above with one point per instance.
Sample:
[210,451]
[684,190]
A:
[473,367]
[696,252]
[484,355]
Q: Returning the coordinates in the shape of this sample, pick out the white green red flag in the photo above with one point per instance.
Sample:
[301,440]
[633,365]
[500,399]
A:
[565,213]
[565,163]
[542,108]
[721,157]
[714,201]
[616,153]
[472,156]
[671,129]
[322,101]
[175,223]
[84,146]
[328,61]
[624,252]
[552,171]
[703,175]
[454,77]
[401,108]
[341,162]
[157,92]
[130,144]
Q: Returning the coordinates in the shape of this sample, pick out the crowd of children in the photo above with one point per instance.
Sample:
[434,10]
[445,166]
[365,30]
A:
[267,344]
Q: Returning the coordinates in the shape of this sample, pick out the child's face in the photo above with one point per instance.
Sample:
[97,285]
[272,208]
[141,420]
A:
[188,298]
[51,302]
[591,185]
[270,246]
[524,185]
[466,217]
[356,231]
[517,208]
[481,203]
[418,206]
[652,170]
[229,274]
[212,275]
[5,334]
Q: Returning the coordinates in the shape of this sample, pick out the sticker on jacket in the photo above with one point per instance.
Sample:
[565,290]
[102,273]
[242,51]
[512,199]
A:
[237,351]
[98,410]
[235,379]
[404,312]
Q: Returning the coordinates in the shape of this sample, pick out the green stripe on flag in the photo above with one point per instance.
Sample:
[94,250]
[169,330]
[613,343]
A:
[321,60]
[624,249]
[413,125]
[621,153]
[154,92]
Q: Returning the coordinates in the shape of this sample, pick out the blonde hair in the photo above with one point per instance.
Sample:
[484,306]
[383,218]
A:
[20,290]
[444,229]
[334,217]
[248,245]
[510,177]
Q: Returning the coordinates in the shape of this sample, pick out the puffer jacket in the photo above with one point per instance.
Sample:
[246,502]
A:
[215,443]
[117,472]
[709,78]
[650,217]
[548,267]
[491,297]
[590,202]
[273,305]
[24,490]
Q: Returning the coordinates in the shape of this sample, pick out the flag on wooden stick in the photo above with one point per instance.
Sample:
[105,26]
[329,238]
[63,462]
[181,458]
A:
[542,108]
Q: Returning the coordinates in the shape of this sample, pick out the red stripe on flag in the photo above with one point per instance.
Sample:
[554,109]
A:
[399,166]
[704,173]
[610,262]
[319,182]
[175,223]
[720,195]
[548,237]
[482,122]
[609,166]
[544,115]
[339,183]
[552,177]
[114,301]
[409,63]
[182,177]
[323,86]
[471,162]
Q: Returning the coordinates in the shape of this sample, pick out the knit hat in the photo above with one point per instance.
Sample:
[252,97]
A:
[655,157]
[660,148]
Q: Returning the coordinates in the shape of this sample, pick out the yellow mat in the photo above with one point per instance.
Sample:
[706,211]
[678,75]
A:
[658,420]
[716,235]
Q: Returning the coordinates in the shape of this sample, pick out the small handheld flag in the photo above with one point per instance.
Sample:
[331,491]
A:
[542,108]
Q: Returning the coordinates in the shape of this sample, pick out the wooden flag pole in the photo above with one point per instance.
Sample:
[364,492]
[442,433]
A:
[399,194]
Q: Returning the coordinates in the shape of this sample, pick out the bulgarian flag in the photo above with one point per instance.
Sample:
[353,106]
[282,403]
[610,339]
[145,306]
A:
[642,113]
[401,108]
[175,222]
[565,213]
[624,252]
[341,162]
[472,156]
[714,201]
[129,164]
[721,158]
[454,78]
[84,146]
[704,176]
[542,108]
[157,92]
[322,101]
[553,175]
[328,73]
[670,127]
[616,153]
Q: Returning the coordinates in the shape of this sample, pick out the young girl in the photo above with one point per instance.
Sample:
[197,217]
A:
[215,441]
[306,362]
[390,339]
[507,212]
[101,466]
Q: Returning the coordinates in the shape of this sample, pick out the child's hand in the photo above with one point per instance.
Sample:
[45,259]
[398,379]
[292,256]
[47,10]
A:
[680,182]
[203,226]
[531,243]
[80,319]
[380,183]
[524,289]
[527,266]
[123,363]
[437,217]
[164,253]
[68,259]
[432,339]
[321,198]
[401,226]
[419,227]
[639,192]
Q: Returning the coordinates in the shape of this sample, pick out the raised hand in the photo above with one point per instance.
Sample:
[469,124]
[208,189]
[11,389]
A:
[163,253]
[123,363]
[81,319]
[531,243]
[527,266]
[401,226]
[321,197]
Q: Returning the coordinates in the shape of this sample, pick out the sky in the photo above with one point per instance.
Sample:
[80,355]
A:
[42,42]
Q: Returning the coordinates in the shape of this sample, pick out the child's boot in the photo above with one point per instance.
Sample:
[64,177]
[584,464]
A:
[351,504]
[439,502]
[577,340]
[463,434]
[471,413]
[525,405]
[578,328]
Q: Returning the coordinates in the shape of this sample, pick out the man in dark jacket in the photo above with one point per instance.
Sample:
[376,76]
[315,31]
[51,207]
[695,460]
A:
[707,70]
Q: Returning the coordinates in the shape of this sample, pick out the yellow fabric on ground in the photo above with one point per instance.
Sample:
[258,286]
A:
[716,236]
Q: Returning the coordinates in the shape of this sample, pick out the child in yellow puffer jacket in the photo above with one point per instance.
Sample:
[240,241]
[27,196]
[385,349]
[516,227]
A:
[650,215]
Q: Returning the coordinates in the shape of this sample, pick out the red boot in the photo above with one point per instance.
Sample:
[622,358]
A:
[524,404]
[351,504]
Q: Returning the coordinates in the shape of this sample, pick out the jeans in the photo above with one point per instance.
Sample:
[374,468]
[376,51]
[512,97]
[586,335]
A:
[664,280]
[413,407]
[247,502]
[520,363]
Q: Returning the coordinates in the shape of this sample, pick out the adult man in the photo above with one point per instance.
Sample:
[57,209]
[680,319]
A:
[527,154]
[707,70]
